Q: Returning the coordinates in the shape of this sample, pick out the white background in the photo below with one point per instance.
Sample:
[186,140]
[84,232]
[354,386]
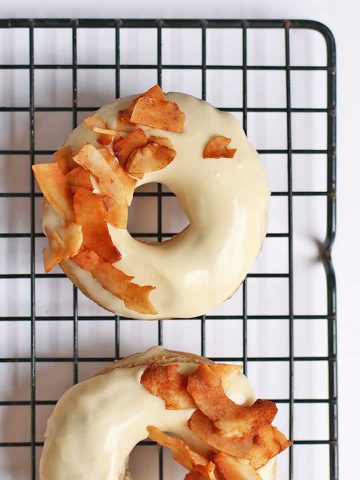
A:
[342,18]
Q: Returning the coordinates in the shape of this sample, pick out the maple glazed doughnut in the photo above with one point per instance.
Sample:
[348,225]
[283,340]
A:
[221,430]
[199,153]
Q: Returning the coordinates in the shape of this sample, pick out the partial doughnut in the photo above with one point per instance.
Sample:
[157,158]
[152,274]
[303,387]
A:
[97,423]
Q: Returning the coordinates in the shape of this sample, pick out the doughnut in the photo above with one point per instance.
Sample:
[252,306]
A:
[206,413]
[200,154]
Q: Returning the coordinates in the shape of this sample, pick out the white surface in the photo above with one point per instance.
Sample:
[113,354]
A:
[343,21]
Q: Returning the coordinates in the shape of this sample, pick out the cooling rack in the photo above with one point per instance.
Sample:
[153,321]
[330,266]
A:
[213,69]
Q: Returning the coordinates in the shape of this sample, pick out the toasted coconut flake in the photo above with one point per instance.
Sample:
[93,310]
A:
[79,177]
[123,120]
[208,472]
[248,419]
[105,131]
[137,298]
[112,210]
[118,276]
[50,258]
[228,372]
[194,476]
[154,93]
[92,121]
[109,157]
[217,148]
[166,142]
[63,158]
[72,237]
[153,110]
[166,382]
[109,183]
[86,259]
[263,445]
[89,260]
[150,158]
[116,282]
[127,182]
[90,213]
[183,454]
[64,243]
[104,139]
[232,468]
[53,184]
[124,146]
[257,447]
[124,117]
[206,388]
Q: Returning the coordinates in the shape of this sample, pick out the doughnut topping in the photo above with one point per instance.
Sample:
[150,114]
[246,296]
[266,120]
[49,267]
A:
[104,139]
[63,158]
[216,147]
[79,177]
[90,213]
[150,158]
[139,154]
[257,447]
[153,110]
[124,146]
[56,189]
[93,122]
[243,436]
[135,297]
[109,182]
[206,388]
[232,468]
[87,241]
[182,454]
[166,382]
[64,242]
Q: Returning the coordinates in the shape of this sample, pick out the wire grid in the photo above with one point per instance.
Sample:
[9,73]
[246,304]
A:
[330,317]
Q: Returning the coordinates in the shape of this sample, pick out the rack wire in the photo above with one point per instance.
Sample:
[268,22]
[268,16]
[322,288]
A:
[116,25]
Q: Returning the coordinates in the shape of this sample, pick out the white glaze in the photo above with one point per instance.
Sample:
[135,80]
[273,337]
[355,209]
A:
[225,200]
[97,423]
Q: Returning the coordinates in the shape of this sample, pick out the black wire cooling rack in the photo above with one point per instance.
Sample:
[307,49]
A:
[204,26]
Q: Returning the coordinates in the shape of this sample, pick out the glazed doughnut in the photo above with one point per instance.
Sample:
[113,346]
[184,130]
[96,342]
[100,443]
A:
[222,189]
[97,423]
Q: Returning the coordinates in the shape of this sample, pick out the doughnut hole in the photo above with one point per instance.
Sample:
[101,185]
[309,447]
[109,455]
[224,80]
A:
[144,462]
[144,210]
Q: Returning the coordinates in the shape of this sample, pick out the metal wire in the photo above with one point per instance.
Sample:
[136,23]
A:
[160,234]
